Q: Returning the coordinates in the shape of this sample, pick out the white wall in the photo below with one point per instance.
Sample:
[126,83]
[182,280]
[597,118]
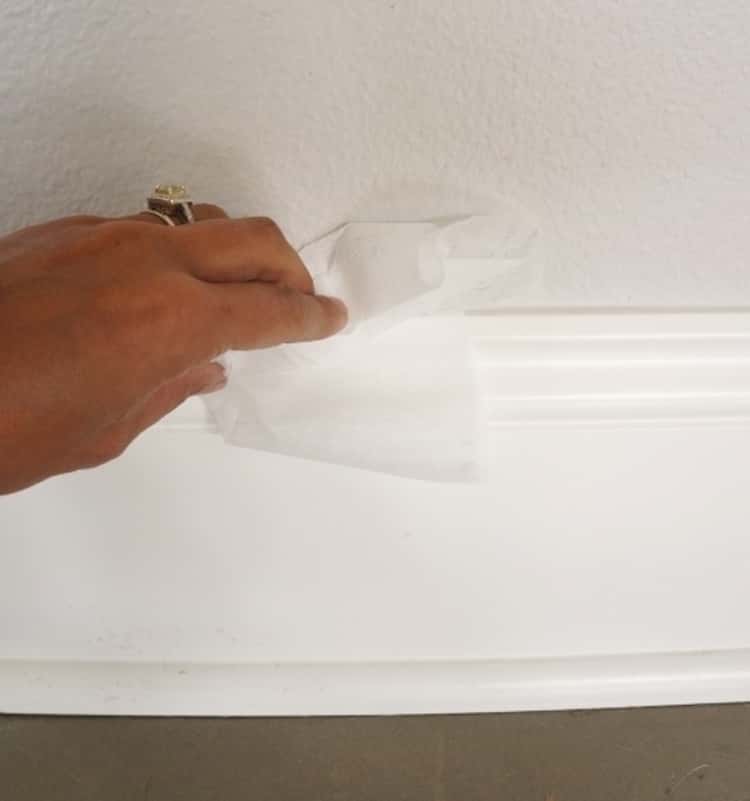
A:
[623,126]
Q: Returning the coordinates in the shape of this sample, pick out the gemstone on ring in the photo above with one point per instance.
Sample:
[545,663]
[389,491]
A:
[171,193]
[172,200]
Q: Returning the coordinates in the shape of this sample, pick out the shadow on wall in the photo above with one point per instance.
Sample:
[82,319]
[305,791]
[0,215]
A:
[90,154]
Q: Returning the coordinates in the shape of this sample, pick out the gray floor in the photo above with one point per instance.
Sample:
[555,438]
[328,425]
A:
[680,754]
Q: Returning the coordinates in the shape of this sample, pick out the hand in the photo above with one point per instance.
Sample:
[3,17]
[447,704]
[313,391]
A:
[108,325]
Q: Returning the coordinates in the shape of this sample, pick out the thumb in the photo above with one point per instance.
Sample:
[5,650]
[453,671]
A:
[199,380]
[111,443]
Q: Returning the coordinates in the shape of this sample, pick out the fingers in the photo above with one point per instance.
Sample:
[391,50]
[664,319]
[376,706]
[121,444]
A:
[259,315]
[201,212]
[247,249]
[110,443]
[195,381]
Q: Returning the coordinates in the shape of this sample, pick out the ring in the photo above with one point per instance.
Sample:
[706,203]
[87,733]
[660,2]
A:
[162,217]
[171,203]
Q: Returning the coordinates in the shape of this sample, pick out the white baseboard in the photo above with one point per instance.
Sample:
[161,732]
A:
[604,563]
[389,688]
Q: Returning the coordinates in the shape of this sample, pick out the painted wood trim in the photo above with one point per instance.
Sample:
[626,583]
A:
[593,367]
[582,368]
[109,688]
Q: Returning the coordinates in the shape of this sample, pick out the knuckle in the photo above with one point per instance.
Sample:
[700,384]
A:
[209,211]
[294,310]
[266,227]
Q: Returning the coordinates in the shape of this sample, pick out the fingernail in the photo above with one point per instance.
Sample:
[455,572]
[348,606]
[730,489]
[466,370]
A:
[342,312]
[223,362]
[217,381]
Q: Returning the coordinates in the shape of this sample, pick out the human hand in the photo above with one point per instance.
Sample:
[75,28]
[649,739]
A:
[108,325]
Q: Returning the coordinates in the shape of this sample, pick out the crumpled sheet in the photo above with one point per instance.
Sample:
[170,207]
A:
[359,399]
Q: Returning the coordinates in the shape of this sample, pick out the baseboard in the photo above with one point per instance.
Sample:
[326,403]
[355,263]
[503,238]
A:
[603,564]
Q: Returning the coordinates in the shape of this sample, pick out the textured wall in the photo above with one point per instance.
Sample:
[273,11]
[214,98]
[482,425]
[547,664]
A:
[623,126]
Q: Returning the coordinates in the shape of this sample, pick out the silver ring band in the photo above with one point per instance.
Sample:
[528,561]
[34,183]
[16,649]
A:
[163,217]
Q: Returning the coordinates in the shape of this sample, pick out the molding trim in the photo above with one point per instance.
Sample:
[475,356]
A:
[536,368]
[593,367]
[109,688]
[615,368]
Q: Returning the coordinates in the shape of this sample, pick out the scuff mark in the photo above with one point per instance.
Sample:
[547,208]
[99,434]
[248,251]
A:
[696,769]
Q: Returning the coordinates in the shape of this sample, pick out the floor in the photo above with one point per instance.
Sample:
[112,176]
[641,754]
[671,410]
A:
[680,754]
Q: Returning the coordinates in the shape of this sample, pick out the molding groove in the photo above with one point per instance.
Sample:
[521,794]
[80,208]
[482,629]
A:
[594,367]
